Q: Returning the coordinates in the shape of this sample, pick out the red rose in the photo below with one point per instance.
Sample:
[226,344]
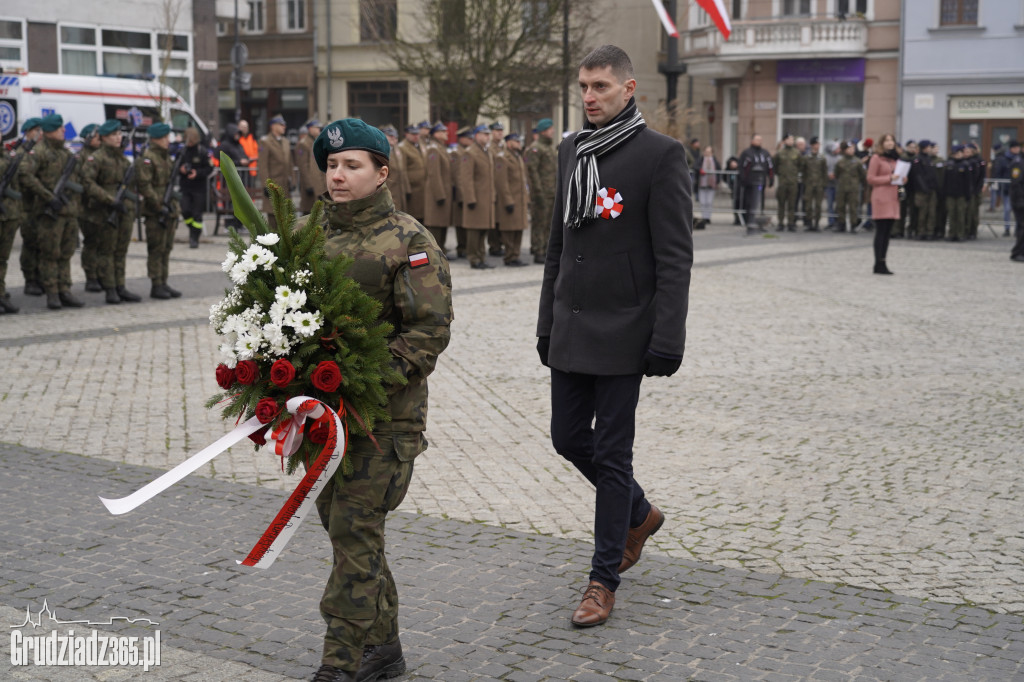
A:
[259,437]
[266,410]
[282,372]
[225,376]
[327,376]
[319,431]
[246,372]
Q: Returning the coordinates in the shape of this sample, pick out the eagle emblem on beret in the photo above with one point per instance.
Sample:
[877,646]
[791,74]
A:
[334,135]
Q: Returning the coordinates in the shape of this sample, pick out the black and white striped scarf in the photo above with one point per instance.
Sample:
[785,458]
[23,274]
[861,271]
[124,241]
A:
[592,143]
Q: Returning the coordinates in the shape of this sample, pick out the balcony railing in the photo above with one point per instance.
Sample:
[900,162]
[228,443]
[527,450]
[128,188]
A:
[787,37]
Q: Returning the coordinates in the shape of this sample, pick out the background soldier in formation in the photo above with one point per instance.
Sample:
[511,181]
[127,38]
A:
[103,177]
[161,218]
[311,180]
[788,166]
[274,163]
[398,181]
[850,178]
[495,145]
[815,176]
[56,214]
[923,184]
[11,215]
[476,182]
[32,129]
[542,172]
[91,230]
[510,188]
[437,203]
[463,139]
[955,182]
[415,172]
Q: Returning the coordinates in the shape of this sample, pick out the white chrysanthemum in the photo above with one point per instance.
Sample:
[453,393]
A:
[259,256]
[268,239]
[227,354]
[273,333]
[277,312]
[304,324]
[240,271]
[229,261]
[290,299]
[248,344]
[281,347]
[302,277]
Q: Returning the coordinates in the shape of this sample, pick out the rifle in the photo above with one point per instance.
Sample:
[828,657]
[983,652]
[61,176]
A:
[64,183]
[169,193]
[122,194]
[5,182]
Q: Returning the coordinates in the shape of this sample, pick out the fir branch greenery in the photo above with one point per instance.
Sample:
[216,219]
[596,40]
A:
[291,314]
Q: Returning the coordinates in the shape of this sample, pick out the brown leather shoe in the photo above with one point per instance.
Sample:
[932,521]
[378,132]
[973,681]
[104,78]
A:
[638,536]
[596,606]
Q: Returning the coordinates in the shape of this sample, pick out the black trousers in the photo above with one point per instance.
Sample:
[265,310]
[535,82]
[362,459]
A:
[883,227]
[1018,247]
[593,426]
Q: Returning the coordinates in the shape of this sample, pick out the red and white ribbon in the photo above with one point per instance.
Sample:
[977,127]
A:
[287,439]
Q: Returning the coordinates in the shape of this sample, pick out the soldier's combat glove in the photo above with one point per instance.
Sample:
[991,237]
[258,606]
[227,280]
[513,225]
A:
[56,205]
[660,365]
[543,346]
[510,208]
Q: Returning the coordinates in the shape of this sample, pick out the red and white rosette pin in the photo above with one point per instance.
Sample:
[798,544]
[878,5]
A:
[609,203]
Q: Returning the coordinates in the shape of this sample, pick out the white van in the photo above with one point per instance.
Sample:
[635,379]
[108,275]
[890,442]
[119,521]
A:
[82,100]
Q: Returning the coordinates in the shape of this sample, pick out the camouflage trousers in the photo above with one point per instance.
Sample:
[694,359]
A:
[540,226]
[360,601]
[8,228]
[90,246]
[30,247]
[925,206]
[112,249]
[813,194]
[956,210]
[58,239]
[848,205]
[785,195]
[159,242]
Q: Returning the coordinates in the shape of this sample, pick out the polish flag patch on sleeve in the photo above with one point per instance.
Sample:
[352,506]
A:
[418,260]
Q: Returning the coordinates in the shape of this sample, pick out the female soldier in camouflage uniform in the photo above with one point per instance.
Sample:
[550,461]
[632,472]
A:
[398,263]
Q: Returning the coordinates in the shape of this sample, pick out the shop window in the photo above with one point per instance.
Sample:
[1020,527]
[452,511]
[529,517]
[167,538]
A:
[959,13]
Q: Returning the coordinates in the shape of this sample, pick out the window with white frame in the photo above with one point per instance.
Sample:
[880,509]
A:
[13,46]
[829,111]
[257,17]
[291,16]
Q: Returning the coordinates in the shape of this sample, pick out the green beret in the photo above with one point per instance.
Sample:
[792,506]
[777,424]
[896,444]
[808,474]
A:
[109,127]
[544,124]
[158,130]
[88,131]
[30,124]
[52,122]
[348,133]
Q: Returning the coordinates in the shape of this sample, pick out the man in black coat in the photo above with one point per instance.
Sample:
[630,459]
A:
[613,304]
[757,171]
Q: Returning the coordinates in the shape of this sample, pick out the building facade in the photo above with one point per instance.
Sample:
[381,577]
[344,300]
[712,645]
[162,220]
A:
[824,68]
[963,73]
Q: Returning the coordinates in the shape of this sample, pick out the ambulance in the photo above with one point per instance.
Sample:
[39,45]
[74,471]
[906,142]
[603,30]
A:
[82,100]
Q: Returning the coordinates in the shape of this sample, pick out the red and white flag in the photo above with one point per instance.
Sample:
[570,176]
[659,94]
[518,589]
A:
[666,20]
[716,10]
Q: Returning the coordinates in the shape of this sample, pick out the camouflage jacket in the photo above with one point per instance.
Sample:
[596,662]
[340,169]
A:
[541,159]
[40,172]
[788,165]
[13,207]
[815,170]
[398,263]
[154,173]
[850,173]
[101,174]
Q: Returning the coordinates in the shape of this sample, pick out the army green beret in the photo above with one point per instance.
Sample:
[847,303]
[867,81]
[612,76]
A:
[348,133]
[88,131]
[158,130]
[30,124]
[52,122]
[544,124]
[109,127]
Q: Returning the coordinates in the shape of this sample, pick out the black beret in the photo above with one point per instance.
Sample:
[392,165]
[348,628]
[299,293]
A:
[348,133]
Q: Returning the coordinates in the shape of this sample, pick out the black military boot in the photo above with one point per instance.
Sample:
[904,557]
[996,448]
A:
[328,673]
[93,285]
[53,302]
[193,237]
[112,296]
[172,291]
[6,305]
[127,295]
[69,301]
[33,288]
[159,291]
[381,661]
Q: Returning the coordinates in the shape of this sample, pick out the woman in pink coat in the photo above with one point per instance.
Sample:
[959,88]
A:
[885,200]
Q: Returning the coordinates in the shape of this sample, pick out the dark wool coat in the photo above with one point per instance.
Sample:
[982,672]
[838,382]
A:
[619,286]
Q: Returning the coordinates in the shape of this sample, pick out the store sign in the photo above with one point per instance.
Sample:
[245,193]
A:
[986,106]
[820,71]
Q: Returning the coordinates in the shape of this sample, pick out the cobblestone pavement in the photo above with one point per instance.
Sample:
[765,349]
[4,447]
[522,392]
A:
[827,425]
